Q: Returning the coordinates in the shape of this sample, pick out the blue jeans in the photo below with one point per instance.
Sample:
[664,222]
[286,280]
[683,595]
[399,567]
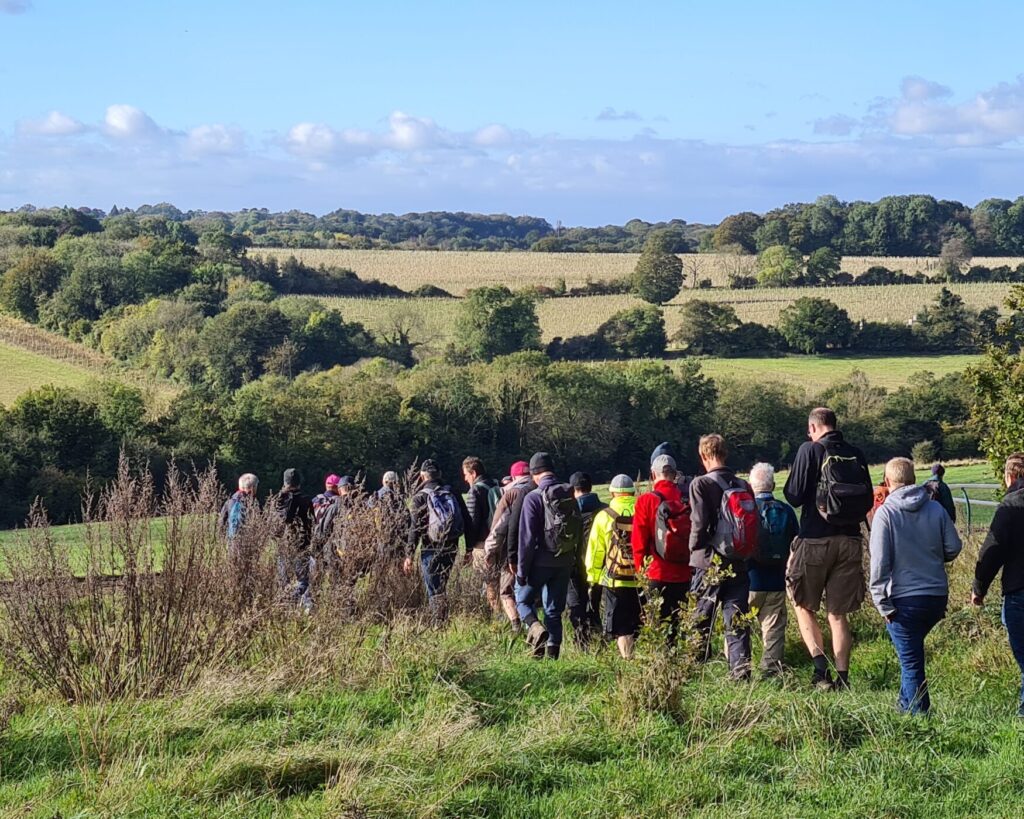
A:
[437,568]
[552,583]
[915,616]
[1013,619]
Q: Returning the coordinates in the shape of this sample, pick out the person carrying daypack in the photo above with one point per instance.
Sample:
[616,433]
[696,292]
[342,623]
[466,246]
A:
[295,511]
[939,491]
[661,541]
[236,509]
[767,569]
[611,567]
[501,546]
[584,599]
[439,519]
[726,523]
[550,537]
[830,484]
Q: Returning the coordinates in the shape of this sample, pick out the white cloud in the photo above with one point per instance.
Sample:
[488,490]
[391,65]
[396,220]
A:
[836,125]
[611,115]
[128,122]
[55,123]
[215,139]
[918,89]
[491,136]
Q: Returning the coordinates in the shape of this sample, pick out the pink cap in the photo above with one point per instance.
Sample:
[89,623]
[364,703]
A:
[332,480]
[519,468]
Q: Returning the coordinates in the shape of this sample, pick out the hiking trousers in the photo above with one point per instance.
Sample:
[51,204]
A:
[772,615]
[552,584]
[731,596]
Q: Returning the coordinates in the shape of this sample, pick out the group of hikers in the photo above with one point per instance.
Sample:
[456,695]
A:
[689,546]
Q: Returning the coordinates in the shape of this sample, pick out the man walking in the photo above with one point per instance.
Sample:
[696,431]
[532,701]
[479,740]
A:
[237,508]
[767,569]
[1003,550]
[661,540]
[295,511]
[940,492]
[912,540]
[500,549]
[550,538]
[724,522]
[584,599]
[610,566]
[438,520]
[830,484]
[481,501]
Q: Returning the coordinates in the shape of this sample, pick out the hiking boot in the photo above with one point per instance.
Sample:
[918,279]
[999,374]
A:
[537,637]
[822,682]
[552,652]
[842,682]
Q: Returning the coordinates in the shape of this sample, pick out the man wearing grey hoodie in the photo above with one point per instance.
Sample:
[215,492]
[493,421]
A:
[912,538]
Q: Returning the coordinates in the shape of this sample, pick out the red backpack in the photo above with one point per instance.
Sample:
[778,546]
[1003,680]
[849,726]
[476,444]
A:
[672,530]
[739,522]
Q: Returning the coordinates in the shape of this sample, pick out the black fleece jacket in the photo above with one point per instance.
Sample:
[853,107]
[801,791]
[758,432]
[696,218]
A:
[1004,545]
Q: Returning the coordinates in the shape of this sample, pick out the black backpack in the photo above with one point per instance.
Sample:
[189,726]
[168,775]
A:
[563,522]
[773,540]
[845,495]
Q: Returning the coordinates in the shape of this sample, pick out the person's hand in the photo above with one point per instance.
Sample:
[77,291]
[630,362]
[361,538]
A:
[977,600]
[889,618]
[512,570]
[407,566]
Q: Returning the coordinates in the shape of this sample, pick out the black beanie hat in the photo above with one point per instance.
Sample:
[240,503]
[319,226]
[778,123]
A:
[293,478]
[541,462]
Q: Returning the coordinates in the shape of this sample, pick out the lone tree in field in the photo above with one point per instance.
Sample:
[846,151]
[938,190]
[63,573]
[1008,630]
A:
[812,325]
[637,332]
[658,276]
[822,266]
[779,266]
[495,321]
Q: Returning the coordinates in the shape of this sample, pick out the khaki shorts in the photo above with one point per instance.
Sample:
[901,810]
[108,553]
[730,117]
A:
[501,579]
[830,565]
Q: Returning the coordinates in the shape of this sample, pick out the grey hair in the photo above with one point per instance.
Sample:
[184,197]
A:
[248,482]
[390,478]
[762,476]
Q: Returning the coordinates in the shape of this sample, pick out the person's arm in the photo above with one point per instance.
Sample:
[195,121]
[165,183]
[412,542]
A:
[699,515]
[515,518]
[469,533]
[225,516]
[880,579]
[792,524]
[951,543]
[474,515]
[416,524]
[993,552]
[643,530]
[597,547]
[527,534]
[798,481]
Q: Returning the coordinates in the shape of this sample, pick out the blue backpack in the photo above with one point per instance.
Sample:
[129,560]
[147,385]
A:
[444,518]
[236,514]
[773,538]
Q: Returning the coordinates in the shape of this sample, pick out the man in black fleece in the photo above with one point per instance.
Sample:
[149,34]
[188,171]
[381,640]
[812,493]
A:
[729,593]
[1003,550]
[583,603]
[826,558]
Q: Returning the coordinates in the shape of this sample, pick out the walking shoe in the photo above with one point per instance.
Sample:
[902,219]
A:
[537,637]
[552,652]
[822,682]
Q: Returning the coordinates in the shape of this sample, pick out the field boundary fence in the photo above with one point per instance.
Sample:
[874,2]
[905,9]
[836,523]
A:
[961,497]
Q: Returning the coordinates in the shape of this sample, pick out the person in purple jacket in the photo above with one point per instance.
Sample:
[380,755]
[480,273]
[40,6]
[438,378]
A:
[550,537]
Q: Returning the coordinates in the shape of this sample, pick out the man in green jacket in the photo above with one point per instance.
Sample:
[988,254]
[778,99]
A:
[609,563]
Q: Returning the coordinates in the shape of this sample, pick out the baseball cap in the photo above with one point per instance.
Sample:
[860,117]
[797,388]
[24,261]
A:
[518,469]
[332,480]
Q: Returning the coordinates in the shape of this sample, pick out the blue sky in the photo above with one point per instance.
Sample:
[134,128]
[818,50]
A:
[587,112]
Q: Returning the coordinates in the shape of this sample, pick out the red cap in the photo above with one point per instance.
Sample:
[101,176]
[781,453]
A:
[519,468]
[332,480]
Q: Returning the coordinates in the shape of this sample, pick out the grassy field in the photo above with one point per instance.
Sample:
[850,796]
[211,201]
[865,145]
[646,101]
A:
[584,314]
[814,373]
[31,356]
[458,271]
[24,370]
[351,720]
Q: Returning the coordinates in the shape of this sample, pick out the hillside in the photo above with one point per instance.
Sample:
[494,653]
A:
[31,357]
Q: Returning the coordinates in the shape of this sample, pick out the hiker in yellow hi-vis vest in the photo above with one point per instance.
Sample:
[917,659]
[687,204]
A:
[609,563]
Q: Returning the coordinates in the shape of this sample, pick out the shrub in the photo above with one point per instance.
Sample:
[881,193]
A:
[658,276]
[812,325]
[924,452]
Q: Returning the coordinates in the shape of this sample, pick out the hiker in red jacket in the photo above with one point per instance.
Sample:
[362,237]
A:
[664,560]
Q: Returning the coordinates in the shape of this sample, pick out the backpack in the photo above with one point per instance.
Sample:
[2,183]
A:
[236,515]
[321,503]
[739,522]
[672,530]
[773,539]
[444,518]
[845,494]
[563,522]
[618,562]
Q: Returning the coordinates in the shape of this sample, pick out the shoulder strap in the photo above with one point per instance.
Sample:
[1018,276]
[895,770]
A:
[615,516]
[661,497]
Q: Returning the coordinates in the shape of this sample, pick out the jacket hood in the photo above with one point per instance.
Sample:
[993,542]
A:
[589,502]
[908,498]
[623,504]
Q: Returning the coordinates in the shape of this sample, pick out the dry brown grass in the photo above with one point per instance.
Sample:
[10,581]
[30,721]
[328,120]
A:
[458,271]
